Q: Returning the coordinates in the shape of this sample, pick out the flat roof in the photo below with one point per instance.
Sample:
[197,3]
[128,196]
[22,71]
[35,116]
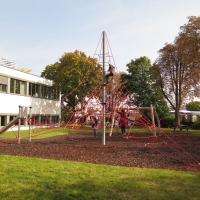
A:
[187,112]
[10,72]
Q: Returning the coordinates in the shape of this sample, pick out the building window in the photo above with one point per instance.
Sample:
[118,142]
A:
[33,90]
[45,92]
[55,94]
[35,120]
[3,88]
[2,120]
[17,86]
[23,87]
[43,120]
[12,117]
[54,119]
[3,83]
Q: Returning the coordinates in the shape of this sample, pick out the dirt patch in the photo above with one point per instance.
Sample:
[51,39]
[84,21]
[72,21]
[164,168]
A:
[178,151]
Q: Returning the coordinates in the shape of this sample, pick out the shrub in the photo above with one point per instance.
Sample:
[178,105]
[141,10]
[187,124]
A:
[196,125]
[167,122]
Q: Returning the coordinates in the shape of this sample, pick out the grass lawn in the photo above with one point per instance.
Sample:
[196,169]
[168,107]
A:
[32,178]
[38,133]
[38,179]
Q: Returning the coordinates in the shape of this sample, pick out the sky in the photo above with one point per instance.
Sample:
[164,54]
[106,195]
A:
[36,33]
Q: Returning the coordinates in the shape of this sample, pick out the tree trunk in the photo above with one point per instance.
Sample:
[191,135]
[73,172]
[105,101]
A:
[177,117]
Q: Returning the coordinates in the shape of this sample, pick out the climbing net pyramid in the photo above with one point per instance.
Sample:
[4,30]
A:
[79,115]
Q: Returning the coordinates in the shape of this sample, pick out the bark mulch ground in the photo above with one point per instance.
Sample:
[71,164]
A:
[176,151]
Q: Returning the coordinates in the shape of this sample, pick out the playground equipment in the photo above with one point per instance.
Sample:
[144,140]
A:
[10,124]
[152,125]
[103,100]
[23,113]
[111,94]
[153,116]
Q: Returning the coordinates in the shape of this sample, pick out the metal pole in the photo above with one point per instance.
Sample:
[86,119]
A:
[153,121]
[104,93]
[30,123]
[19,123]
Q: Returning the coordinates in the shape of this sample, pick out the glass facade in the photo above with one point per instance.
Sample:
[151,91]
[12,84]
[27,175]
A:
[34,90]
[17,86]
[49,93]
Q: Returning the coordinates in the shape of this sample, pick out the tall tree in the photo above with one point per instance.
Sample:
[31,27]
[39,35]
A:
[75,75]
[50,71]
[139,83]
[177,69]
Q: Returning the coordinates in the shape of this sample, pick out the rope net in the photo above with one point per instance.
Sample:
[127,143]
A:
[140,128]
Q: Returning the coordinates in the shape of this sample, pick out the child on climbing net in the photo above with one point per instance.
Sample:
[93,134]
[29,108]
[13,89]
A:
[123,120]
[95,125]
[109,73]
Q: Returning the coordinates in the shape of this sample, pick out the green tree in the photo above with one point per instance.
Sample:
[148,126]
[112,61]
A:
[140,84]
[50,71]
[193,106]
[177,69]
[76,76]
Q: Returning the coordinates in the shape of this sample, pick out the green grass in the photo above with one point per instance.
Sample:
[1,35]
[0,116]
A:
[190,131]
[38,133]
[32,178]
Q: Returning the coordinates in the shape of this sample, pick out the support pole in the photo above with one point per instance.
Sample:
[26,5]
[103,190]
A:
[30,121]
[157,118]
[153,121]
[104,92]
[19,123]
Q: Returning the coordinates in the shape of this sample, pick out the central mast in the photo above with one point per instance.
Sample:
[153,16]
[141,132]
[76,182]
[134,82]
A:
[104,93]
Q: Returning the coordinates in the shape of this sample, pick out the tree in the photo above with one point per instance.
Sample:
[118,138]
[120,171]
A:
[75,75]
[177,69]
[193,106]
[50,71]
[140,84]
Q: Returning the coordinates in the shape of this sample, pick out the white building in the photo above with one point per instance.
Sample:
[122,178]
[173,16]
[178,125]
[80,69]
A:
[18,88]
[187,116]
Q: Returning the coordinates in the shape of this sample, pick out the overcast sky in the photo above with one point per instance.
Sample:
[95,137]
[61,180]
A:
[36,33]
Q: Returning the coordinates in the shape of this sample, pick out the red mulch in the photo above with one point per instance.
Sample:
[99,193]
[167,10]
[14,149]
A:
[176,151]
